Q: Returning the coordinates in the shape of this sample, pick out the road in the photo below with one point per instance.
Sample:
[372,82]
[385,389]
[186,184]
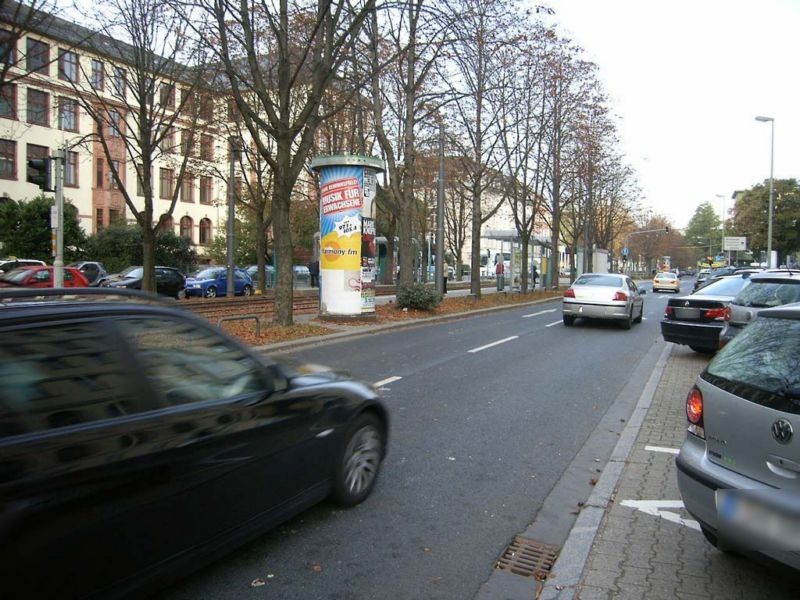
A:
[488,413]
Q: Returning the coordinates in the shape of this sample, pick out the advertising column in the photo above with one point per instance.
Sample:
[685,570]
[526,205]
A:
[347,234]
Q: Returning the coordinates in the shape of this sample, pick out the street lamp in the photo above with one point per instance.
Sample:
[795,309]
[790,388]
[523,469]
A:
[771,163]
[722,239]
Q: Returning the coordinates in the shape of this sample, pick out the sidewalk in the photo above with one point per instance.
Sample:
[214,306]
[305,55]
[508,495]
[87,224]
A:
[647,545]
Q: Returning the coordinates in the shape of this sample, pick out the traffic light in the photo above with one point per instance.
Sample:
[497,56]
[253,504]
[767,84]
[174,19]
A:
[666,229]
[40,172]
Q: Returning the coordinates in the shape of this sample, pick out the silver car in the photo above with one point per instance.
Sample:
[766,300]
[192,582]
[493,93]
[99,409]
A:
[603,296]
[739,466]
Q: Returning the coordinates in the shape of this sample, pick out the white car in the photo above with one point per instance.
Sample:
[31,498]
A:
[603,296]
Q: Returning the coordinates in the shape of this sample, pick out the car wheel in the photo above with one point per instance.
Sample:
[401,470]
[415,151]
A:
[641,315]
[357,468]
[701,350]
[568,320]
[211,292]
[247,290]
[628,323]
[181,295]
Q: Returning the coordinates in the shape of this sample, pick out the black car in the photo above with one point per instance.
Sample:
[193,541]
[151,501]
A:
[92,270]
[139,442]
[697,320]
[169,281]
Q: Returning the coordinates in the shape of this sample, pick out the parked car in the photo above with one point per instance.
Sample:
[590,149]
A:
[141,442]
[211,282]
[666,281]
[738,466]
[718,274]
[697,320]
[603,296]
[252,270]
[11,263]
[169,281]
[302,275]
[41,277]
[702,275]
[766,290]
[93,271]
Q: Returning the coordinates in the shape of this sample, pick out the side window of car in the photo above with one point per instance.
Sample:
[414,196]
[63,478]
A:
[42,275]
[187,363]
[59,375]
[68,276]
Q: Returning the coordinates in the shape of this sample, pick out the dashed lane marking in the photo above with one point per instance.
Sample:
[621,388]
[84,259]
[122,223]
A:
[541,312]
[386,381]
[497,343]
[554,323]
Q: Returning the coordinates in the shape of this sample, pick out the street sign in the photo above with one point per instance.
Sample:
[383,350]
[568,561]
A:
[625,251]
[735,243]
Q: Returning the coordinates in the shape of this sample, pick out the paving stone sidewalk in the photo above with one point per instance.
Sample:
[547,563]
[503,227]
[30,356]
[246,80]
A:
[640,555]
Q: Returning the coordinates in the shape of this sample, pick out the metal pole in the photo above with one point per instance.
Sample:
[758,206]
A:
[231,215]
[58,263]
[769,220]
[440,274]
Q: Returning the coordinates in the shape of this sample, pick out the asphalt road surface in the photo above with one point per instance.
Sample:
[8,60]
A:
[487,414]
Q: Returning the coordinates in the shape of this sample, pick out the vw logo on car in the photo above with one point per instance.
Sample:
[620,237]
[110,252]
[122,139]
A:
[782,431]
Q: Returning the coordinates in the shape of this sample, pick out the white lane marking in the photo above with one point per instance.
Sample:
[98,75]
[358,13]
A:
[662,449]
[498,342]
[653,507]
[541,312]
[554,323]
[386,381]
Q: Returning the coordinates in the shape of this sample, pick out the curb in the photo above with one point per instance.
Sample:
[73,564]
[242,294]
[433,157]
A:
[568,568]
[364,330]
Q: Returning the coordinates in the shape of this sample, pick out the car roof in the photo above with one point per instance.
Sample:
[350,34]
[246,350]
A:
[776,275]
[787,311]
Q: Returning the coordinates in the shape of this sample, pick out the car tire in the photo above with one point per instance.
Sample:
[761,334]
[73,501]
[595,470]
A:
[357,467]
[211,292]
[569,320]
[641,315]
[247,291]
[701,350]
[181,295]
[627,323]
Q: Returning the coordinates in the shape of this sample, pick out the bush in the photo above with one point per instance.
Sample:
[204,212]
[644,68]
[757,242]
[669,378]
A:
[417,296]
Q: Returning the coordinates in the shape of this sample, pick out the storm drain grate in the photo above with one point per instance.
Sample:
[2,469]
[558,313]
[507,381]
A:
[528,558]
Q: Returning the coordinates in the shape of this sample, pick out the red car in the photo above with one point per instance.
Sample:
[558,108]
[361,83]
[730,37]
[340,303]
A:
[42,277]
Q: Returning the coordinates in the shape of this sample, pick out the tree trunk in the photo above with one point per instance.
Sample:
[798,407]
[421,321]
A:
[281,201]
[148,259]
[261,251]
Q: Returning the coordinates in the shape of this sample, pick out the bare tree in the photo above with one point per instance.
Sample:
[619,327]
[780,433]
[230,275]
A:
[280,58]
[138,103]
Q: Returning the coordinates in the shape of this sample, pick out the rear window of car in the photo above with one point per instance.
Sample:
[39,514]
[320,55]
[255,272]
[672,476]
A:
[762,364]
[607,280]
[666,276]
[763,294]
[723,287]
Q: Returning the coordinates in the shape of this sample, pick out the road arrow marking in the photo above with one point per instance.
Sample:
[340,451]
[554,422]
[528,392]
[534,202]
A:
[541,312]
[653,507]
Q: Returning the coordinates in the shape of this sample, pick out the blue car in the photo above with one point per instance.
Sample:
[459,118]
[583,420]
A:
[213,281]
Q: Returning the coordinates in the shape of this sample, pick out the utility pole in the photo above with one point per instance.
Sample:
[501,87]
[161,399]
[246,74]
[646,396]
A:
[231,290]
[440,218]
[57,218]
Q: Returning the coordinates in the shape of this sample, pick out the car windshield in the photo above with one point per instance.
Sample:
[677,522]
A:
[593,279]
[132,273]
[768,293]
[15,276]
[765,357]
[724,287]
[209,273]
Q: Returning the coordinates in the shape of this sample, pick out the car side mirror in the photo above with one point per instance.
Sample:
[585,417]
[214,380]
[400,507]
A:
[642,292]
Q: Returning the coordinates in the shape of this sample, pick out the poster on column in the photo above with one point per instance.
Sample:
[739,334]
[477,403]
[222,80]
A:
[341,197]
[368,268]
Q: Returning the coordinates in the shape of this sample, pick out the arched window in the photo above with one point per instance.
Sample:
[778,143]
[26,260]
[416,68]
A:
[186,227]
[205,232]
[168,225]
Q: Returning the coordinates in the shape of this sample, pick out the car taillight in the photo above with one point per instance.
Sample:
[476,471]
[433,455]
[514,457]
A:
[670,312]
[621,296]
[570,293]
[726,314]
[694,412]
[715,313]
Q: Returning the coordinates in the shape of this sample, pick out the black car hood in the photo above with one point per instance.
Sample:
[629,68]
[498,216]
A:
[303,373]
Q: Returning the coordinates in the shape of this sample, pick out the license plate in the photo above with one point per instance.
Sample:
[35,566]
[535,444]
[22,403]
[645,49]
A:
[760,519]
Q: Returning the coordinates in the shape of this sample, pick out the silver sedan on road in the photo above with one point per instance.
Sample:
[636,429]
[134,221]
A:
[603,296]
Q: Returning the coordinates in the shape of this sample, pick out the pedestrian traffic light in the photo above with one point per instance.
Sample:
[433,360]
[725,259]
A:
[40,172]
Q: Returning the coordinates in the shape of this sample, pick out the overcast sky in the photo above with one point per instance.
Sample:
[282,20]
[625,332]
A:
[686,79]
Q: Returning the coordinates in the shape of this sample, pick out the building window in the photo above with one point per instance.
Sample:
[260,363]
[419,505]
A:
[206,106]
[167,225]
[113,216]
[114,125]
[187,143]
[8,47]
[118,81]
[187,188]
[67,65]
[8,159]
[167,95]
[38,57]
[98,223]
[206,147]
[206,189]
[205,232]
[71,169]
[99,172]
[38,108]
[186,227]
[98,75]
[114,167]
[67,114]
[167,143]
[8,101]
[166,187]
